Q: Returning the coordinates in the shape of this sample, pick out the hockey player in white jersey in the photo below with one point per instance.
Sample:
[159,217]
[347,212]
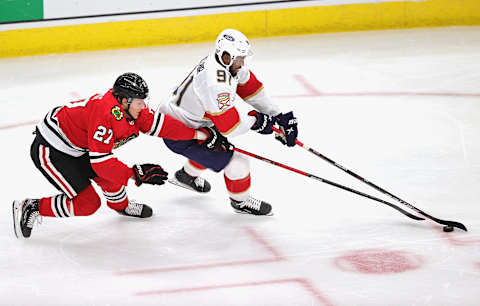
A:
[207,97]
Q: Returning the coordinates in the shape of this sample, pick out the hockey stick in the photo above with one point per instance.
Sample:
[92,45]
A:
[328,182]
[440,221]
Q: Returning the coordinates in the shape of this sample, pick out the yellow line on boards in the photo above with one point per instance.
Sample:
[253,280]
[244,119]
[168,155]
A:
[291,21]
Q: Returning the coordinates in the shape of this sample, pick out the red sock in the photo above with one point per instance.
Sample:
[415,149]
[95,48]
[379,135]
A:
[236,187]
[60,206]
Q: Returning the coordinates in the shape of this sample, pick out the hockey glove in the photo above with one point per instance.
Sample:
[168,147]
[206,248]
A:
[149,174]
[215,140]
[288,125]
[264,122]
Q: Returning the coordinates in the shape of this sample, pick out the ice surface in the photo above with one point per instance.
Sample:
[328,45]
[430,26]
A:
[400,108]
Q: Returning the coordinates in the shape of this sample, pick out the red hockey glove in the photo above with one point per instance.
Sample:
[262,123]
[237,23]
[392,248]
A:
[149,174]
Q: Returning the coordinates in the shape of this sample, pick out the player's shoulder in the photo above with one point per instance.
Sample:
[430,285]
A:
[213,76]
[146,116]
[106,107]
[102,101]
[209,69]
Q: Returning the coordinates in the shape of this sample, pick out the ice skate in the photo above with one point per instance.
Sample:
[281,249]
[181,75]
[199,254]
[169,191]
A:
[194,183]
[25,214]
[252,206]
[137,210]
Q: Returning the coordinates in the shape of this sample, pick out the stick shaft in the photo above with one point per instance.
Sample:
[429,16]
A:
[312,176]
[378,188]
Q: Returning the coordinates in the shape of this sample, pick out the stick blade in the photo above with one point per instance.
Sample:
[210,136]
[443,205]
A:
[456,224]
[451,223]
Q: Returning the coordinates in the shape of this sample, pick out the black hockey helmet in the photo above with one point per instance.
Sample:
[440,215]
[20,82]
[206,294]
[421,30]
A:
[130,85]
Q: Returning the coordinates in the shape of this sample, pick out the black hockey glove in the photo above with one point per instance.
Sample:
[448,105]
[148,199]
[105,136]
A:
[215,140]
[288,125]
[264,122]
[149,174]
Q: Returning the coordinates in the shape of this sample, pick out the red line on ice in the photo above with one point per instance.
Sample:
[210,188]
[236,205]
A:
[263,242]
[382,94]
[15,125]
[198,267]
[453,238]
[312,91]
[252,233]
[301,281]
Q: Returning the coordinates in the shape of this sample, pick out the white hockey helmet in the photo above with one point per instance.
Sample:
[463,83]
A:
[234,43]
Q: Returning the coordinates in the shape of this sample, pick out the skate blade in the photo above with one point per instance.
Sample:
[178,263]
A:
[174,181]
[247,213]
[16,212]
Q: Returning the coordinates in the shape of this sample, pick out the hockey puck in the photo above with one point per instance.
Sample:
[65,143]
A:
[448,228]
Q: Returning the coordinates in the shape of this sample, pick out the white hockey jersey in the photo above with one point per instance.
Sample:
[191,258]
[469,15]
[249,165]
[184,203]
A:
[208,96]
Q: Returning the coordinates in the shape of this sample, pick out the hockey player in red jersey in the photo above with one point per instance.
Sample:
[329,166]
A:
[73,146]
[207,98]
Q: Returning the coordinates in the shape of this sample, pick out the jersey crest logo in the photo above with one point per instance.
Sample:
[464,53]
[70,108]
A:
[117,113]
[223,100]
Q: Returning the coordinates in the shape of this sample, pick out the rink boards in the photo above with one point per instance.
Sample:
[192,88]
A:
[260,23]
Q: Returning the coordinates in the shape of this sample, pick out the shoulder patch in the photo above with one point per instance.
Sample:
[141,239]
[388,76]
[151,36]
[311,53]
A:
[124,141]
[201,65]
[117,113]
[223,100]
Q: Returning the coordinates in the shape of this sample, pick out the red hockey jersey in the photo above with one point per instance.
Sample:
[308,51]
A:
[98,125]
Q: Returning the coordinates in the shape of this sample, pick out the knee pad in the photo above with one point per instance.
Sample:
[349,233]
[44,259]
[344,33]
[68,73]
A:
[238,167]
[86,202]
